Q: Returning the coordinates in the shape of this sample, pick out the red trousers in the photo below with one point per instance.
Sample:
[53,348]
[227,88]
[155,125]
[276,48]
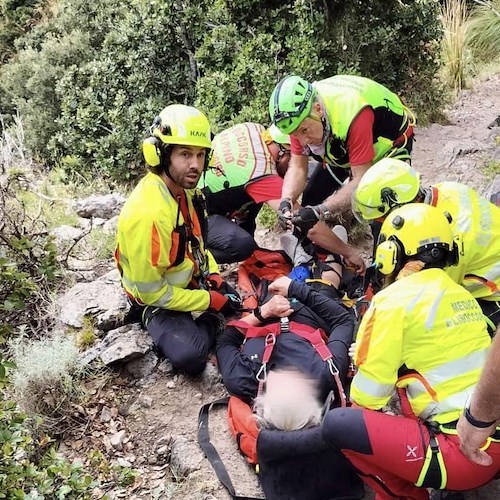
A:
[390,452]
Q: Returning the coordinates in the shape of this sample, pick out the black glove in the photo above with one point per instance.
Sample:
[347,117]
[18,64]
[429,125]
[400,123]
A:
[306,218]
[219,284]
[285,206]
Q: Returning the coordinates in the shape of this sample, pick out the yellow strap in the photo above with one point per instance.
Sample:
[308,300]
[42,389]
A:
[425,467]
[427,464]
[318,280]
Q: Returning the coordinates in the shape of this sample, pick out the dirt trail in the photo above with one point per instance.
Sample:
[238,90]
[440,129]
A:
[463,150]
[456,151]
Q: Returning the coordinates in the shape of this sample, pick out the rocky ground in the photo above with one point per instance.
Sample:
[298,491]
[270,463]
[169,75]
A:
[148,421]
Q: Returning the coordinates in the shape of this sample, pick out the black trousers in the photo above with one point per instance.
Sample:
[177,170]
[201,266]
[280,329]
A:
[180,338]
[228,241]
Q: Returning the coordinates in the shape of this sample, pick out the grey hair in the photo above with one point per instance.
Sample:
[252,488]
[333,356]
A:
[290,402]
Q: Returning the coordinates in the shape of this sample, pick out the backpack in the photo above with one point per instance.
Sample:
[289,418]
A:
[261,268]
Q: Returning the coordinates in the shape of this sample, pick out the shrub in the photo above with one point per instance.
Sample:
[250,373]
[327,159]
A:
[255,43]
[484,30]
[28,467]
[29,268]
[47,381]
[454,17]
[89,81]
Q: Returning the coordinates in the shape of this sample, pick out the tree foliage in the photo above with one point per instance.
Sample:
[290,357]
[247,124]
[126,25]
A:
[28,262]
[393,42]
[89,81]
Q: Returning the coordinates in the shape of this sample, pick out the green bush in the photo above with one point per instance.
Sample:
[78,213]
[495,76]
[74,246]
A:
[87,100]
[16,18]
[254,44]
[28,467]
[89,81]
[48,381]
[484,31]
[29,267]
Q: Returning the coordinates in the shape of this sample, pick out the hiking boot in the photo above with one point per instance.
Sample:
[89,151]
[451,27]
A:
[291,246]
[446,495]
[340,232]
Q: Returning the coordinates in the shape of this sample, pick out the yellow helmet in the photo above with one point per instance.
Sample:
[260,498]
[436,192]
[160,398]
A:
[177,124]
[387,184]
[415,230]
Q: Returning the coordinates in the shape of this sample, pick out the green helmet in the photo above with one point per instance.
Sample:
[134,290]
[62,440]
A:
[290,103]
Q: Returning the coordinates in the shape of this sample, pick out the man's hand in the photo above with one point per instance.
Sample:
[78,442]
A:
[307,217]
[280,286]
[285,213]
[277,307]
[471,439]
[354,262]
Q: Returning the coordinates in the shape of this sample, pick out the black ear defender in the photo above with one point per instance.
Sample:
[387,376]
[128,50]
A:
[454,254]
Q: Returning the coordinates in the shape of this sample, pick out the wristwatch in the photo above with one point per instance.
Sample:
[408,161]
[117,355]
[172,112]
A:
[258,314]
[473,421]
[325,213]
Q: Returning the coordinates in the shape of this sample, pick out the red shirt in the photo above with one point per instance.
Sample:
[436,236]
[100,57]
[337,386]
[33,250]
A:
[359,139]
[265,189]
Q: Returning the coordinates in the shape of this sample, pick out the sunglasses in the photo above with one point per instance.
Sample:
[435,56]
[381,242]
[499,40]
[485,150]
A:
[282,151]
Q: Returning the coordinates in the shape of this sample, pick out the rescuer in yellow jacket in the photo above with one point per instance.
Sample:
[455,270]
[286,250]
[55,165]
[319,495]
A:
[425,337]
[165,269]
[475,224]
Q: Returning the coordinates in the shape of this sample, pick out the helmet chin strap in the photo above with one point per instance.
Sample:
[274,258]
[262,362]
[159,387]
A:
[323,122]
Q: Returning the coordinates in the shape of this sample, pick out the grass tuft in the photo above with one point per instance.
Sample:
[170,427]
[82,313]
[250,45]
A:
[456,56]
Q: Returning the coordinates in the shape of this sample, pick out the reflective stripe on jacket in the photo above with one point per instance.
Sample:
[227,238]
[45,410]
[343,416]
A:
[344,97]
[156,261]
[240,155]
[476,221]
[426,334]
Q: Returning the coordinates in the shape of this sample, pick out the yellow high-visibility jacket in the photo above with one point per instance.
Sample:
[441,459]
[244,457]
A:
[156,260]
[476,222]
[426,334]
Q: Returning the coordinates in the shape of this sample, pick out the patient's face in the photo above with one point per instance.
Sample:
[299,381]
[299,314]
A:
[290,401]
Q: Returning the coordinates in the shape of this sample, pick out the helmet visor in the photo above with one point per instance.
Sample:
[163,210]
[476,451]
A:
[364,212]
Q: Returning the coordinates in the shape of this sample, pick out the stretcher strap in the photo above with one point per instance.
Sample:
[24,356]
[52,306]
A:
[212,454]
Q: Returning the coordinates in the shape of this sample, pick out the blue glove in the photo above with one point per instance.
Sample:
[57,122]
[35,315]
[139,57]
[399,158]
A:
[300,273]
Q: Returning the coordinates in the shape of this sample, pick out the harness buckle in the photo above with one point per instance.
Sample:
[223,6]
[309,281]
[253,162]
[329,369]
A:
[284,325]
[332,367]
[262,373]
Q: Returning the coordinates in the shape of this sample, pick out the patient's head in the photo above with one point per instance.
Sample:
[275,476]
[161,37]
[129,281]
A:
[290,401]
